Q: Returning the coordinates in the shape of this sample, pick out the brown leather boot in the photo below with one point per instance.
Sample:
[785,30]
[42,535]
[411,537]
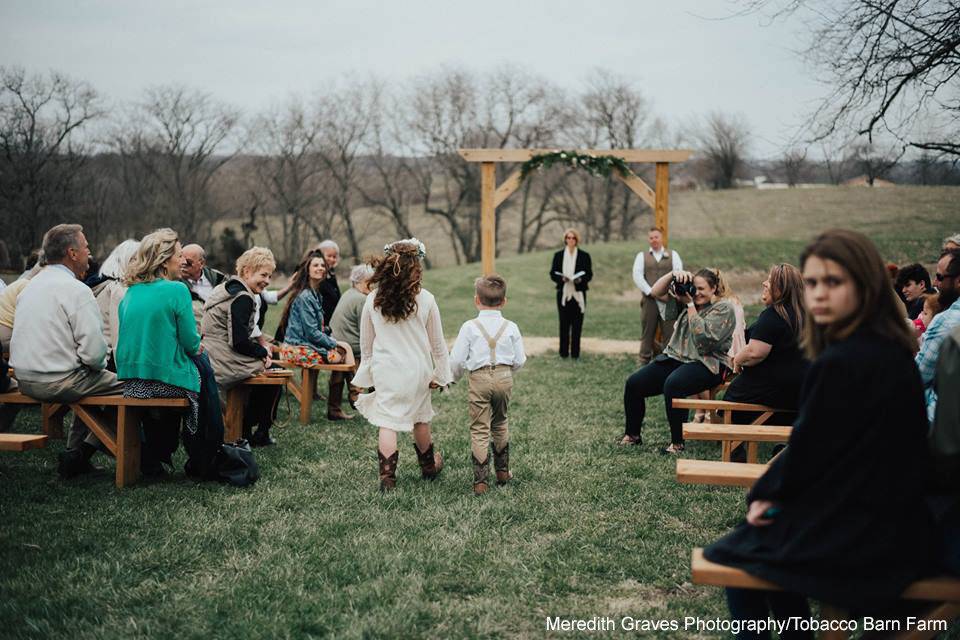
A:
[431,464]
[481,470]
[501,463]
[388,470]
[334,397]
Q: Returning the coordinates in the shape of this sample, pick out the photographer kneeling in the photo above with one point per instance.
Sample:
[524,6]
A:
[693,360]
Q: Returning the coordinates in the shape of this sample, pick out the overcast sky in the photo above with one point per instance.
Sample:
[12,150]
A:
[687,57]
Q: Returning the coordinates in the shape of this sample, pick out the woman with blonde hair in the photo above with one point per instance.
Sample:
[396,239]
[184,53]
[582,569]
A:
[571,271]
[695,358]
[236,347]
[157,336]
[772,365]
[403,356]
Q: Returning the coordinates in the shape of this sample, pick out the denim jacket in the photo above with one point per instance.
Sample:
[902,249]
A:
[305,324]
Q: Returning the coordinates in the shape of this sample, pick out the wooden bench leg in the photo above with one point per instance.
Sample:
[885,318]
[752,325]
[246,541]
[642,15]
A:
[52,419]
[308,381]
[726,447]
[128,446]
[233,420]
[752,452]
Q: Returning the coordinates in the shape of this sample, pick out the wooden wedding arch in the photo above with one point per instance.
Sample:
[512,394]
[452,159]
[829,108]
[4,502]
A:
[492,196]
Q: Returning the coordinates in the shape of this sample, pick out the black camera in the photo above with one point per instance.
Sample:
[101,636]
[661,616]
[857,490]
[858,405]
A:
[683,288]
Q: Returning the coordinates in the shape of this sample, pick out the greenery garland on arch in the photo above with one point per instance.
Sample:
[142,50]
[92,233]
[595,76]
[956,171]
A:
[599,166]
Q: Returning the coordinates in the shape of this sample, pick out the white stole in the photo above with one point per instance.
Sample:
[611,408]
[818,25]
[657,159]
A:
[569,268]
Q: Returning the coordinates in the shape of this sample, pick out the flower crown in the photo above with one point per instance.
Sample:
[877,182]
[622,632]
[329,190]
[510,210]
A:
[421,249]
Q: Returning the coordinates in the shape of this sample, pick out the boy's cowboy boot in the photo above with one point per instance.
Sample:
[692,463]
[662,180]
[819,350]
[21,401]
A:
[431,464]
[388,470]
[501,463]
[480,472]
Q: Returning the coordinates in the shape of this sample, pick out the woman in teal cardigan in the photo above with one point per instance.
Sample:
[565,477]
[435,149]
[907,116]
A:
[158,334]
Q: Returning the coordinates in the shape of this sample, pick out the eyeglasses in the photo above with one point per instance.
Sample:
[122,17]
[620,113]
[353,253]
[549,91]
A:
[943,276]
[188,262]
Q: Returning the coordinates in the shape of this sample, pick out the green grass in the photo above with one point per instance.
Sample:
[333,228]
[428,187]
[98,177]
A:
[586,529]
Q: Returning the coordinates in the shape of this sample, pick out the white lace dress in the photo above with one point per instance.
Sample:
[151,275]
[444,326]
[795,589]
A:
[400,359]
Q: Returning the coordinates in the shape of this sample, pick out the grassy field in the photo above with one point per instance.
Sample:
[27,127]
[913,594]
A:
[587,529]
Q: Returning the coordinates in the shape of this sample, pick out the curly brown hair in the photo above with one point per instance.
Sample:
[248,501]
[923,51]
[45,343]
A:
[397,276]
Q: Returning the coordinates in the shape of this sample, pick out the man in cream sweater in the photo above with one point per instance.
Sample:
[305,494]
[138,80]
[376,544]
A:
[57,348]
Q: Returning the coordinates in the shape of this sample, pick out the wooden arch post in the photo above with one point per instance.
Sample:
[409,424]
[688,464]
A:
[492,196]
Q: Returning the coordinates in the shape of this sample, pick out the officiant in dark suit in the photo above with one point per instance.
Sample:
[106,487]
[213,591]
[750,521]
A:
[571,271]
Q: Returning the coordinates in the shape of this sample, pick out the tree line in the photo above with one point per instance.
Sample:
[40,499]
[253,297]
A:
[305,169]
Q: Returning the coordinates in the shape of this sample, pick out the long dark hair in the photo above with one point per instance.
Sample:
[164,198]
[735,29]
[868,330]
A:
[397,276]
[879,309]
[301,281]
[786,296]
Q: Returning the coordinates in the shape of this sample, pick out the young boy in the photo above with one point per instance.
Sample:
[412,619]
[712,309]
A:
[491,349]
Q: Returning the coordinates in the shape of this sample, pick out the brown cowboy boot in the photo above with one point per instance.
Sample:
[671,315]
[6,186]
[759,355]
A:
[501,463]
[334,397]
[481,470]
[388,470]
[431,464]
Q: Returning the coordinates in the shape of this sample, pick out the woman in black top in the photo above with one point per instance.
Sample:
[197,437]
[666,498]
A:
[571,270]
[771,367]
[839,515]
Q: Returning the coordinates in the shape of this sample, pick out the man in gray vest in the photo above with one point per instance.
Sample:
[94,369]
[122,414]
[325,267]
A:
[649,266]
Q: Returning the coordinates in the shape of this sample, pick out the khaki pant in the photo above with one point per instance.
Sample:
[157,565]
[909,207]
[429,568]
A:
[489,396]
[81,383]
[650,311]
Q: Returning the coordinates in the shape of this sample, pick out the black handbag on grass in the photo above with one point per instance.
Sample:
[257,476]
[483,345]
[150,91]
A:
[236,465]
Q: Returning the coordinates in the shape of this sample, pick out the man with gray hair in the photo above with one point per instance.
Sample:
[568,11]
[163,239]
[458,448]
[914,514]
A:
[951,242]
[58,350]
[345,326]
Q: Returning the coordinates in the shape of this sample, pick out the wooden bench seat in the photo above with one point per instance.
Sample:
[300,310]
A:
[728,474]
[126,445]
[728,435]
[21,441]
[51,414]
[303,390]
[729,407]
[943,592]
[237,400]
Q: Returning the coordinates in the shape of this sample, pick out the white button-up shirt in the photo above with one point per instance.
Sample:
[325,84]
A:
[202,287]
[471,350]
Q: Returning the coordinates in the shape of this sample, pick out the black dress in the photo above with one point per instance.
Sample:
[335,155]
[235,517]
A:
[852,530]
[775,381]
[329,297]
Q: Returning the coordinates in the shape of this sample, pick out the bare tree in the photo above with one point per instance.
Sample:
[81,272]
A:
[794,166]
[41,156]
[892,65]
[176,141]
[723,140]
[288,184]
[874,163]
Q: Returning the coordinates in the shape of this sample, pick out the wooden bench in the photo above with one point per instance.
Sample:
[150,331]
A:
[728,435]
[727,408]
[303,391]
[21,441]
[237,399]
[942,592]
[51,414]
[126,445]
[727,474]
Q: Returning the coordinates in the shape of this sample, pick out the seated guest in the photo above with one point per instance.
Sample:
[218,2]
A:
[110,291]
[912,282]
[156,339]
[345,327]
[8,306]
[826,519]
[948,280]
[772,366]
[693,360]
[306,343]
[199,278]
[931,307]
[229,319]
[59,350]
[6,382]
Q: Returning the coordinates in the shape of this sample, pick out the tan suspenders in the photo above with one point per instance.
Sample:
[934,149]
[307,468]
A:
[492,342]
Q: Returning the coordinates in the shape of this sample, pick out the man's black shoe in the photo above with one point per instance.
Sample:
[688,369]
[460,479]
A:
[72,463]
[261,439]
